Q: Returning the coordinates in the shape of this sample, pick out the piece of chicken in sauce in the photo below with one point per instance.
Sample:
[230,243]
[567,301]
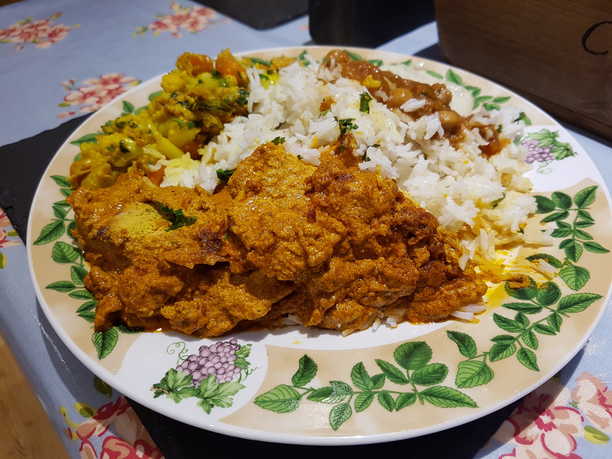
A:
[274,220]
[159,258]
[391,253]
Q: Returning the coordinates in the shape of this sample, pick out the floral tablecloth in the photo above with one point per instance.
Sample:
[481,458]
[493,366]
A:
[70,57]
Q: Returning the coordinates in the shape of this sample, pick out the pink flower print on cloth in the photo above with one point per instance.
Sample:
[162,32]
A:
[4,220]
[93,93]
[4,240]
[190,18]
[117,448]
[43,32]
[8,237]
[544,426]
[119,429]
[594,399]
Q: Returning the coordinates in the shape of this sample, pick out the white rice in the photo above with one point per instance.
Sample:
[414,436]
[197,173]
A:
[462,315]
[484,199]
[475,308]
[412,105]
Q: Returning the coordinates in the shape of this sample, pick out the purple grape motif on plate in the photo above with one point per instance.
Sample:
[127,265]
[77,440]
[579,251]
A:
[543,147]
[217,359]
[213,375]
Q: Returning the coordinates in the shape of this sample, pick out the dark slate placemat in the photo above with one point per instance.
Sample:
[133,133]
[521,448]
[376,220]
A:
[259,14]
[22,166]
[366,23]
[24,163]
[179,441]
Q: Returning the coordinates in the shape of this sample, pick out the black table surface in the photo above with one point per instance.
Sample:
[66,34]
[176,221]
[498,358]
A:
[24,163]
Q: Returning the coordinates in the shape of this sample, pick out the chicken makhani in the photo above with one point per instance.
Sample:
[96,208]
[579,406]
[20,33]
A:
[333,246]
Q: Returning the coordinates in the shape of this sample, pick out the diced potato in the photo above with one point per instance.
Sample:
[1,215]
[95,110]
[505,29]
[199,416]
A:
[172,82]
[181,136]
[167,148]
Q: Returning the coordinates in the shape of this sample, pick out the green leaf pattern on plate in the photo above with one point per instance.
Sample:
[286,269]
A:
[570,216]
[522,339]
[487,102]
[412,368]
[105,341]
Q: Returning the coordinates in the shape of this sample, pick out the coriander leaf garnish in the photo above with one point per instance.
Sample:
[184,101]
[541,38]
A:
[243,97]
[364,102]
[495,203]
[354,56]
[176,217]
[259,60]
[302,58]
[347,125]
[127,145]
[225,174]
[276,141]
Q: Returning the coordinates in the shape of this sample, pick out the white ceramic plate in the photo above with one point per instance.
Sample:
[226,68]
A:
[372,386]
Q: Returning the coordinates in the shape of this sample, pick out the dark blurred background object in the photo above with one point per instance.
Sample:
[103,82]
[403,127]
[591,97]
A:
[367,23]
[556,53]
[259,14]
